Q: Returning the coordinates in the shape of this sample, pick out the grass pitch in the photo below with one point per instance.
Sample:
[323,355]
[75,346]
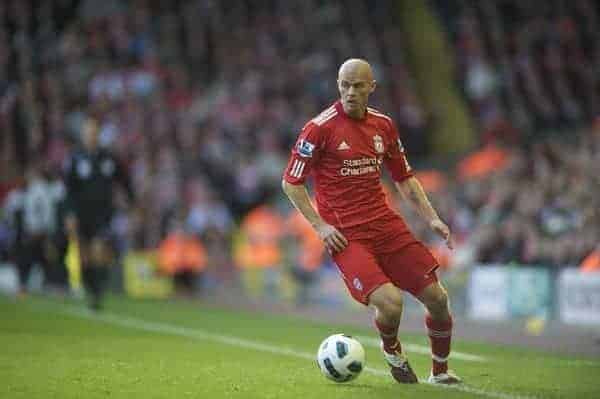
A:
[151,349]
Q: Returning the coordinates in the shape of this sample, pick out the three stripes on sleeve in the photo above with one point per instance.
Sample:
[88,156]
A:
[297,168]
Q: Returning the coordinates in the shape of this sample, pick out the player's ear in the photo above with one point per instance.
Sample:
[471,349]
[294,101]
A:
[373,86]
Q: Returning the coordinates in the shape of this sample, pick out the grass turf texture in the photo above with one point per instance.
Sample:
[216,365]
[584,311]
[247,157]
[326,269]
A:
[151,349]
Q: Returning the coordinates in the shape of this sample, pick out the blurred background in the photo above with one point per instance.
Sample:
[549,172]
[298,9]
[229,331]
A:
[497,103]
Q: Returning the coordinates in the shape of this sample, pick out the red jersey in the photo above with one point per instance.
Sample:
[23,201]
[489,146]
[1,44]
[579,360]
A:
[345,157]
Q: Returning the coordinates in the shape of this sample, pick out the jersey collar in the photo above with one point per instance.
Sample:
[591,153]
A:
[340,109]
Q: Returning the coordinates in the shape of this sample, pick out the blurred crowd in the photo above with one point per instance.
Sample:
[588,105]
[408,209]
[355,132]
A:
[539,205]
[202,100]
[530,71]
[527,66]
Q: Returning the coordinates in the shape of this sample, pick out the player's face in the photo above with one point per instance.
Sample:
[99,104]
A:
[354,93]
[90,135]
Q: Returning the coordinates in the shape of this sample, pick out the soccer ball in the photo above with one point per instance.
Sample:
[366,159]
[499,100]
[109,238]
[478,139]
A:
[340,357]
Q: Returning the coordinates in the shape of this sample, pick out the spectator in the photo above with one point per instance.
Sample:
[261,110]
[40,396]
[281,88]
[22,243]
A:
[182,256]
[203,115]
[258,255]
[308,255]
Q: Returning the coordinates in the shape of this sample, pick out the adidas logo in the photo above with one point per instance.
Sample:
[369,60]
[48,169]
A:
[343,146]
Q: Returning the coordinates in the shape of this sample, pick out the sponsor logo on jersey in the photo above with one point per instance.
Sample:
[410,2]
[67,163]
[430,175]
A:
[361,166]
[305,148]
[378,143]
[357,284]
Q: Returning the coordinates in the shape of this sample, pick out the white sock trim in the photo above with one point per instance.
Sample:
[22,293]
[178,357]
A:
[439,359]
[439,334]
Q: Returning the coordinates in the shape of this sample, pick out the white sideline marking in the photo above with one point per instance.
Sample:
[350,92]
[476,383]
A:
[202,335]
[423,350]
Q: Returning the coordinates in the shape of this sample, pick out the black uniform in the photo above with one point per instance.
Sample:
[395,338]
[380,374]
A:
[89,182]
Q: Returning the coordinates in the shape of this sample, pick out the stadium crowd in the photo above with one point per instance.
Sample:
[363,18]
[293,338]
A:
[527,66]
[531,74]
[202,100]
[539,207]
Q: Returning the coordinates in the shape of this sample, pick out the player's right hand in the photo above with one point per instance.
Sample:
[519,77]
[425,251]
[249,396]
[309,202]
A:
[443,231]
[334,240]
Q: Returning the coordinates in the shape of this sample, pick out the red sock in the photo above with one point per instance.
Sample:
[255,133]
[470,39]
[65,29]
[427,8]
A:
[440,335]
[389,337]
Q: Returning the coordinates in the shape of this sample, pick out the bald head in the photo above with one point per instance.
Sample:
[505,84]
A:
[356,68]
[355,83]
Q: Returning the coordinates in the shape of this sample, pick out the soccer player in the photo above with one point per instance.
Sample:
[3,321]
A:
[91,172]
[344,148]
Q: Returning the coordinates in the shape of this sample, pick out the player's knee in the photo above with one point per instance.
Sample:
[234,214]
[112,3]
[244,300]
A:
[437,302]
[390,304]
[393,306]
[442,300]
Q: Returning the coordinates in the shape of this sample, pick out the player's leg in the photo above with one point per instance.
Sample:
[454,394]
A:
[100,261]
[439,329]
[388,304]
[89,273]
[412,268]
[87,277]
[24,261]
[369,285]
[387,301]
[95,257]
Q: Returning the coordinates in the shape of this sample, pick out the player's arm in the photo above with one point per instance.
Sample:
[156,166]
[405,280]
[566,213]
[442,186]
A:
[304,156]
[298,196]
[411,190]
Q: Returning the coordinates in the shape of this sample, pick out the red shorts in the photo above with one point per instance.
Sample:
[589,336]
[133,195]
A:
[390,254]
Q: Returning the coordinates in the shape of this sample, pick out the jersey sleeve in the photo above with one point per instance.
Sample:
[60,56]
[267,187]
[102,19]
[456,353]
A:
[304,155]
[395,159]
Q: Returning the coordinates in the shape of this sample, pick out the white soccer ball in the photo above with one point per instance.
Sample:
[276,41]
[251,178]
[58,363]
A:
[341,358]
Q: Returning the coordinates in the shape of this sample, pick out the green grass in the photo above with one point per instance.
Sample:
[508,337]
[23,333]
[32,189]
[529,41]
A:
[152,349]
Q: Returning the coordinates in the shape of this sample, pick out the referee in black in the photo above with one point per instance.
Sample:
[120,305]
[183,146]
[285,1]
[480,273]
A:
[91,173]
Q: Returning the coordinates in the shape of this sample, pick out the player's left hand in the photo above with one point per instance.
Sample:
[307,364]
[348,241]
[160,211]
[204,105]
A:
[443,231]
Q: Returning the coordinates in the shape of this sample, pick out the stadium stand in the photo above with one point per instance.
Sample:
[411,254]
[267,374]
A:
[202,100]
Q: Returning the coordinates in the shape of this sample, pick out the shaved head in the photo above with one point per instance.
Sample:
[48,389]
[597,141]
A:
[355,83]
[356,68]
